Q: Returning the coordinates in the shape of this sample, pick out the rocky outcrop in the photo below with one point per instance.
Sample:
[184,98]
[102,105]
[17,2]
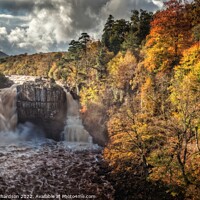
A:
[44,104]
[4,81]
[94,121]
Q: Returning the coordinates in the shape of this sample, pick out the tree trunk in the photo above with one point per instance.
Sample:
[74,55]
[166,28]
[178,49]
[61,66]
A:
[186,180]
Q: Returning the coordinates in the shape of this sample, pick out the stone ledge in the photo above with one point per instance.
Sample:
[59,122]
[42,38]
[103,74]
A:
[44,104]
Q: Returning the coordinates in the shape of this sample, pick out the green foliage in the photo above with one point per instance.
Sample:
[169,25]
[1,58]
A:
[140,26]
[123,35]
[114,33]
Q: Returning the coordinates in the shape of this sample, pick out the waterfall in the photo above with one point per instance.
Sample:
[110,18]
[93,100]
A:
[74,130]
[11,131]
[8,114]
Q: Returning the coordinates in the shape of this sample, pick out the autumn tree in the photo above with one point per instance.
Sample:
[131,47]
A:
[193,10]
[176,162]
[120,72]
[196,33]
[170,34]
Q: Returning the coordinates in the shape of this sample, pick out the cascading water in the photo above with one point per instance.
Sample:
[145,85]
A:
[8,114]
[36,167]
[10,131]
[74,130]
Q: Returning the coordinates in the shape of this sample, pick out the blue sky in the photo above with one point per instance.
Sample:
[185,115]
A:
[28,26]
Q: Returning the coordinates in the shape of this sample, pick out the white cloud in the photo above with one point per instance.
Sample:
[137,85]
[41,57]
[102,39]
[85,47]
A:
[3,32]
[51,23]
[122,9]
[43,29]
[17,35]
[159,3]
[6,16]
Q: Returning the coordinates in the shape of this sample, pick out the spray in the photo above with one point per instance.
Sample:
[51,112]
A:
[74,130]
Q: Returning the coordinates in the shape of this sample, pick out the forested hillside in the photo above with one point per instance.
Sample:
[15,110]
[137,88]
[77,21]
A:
[36,64]
[140,85]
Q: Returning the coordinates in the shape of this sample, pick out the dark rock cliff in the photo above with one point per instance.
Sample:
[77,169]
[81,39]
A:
[44,104]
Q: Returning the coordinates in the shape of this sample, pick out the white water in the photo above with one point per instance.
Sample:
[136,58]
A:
[74,130]
[8,115]
[34,165]
[20,79]
[74,135]
[10,132]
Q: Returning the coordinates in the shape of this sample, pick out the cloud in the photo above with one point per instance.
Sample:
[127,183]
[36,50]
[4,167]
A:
[16,7]
[122,9]
[3,32]
[49,25]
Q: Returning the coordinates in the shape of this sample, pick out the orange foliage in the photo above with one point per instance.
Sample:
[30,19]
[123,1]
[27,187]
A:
[170,34]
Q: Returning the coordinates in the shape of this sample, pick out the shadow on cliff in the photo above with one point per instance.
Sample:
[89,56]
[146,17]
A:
[94,120]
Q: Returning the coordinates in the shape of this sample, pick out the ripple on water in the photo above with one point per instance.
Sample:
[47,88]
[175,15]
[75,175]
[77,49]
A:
[53,168]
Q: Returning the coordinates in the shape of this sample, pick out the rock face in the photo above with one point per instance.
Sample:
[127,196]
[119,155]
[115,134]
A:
[94,121]
[44,104]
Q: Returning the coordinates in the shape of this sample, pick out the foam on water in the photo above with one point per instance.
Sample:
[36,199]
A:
[74,135]
[34,165]
[74,130]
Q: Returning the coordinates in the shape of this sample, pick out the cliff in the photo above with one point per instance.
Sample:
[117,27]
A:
[44,104]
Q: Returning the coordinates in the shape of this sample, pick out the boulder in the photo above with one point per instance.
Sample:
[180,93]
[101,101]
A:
[43,103]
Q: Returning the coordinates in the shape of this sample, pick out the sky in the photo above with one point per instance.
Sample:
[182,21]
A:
[33,26]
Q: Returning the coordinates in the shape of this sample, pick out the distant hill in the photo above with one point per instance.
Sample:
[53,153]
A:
[3,55]
[35,65]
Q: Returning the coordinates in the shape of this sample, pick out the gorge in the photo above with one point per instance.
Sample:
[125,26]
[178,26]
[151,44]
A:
[44,148]
[46,105]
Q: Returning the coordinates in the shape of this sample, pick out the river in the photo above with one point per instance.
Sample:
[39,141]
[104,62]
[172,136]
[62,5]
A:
[34,167]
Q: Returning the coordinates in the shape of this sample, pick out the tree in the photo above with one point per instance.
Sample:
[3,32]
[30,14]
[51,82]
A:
[120,72]
[114,33]
[176,161]
[120,30]
[196,33]
[75,49]
[170,34]
[107,32]
[140,24]
[193,11]
[84,39]
[104,56]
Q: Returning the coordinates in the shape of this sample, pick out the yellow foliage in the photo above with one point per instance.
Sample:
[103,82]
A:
[121,69]
[147,96]
[52,69]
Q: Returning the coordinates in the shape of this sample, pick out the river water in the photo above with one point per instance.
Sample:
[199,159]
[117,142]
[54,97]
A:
[32,166]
